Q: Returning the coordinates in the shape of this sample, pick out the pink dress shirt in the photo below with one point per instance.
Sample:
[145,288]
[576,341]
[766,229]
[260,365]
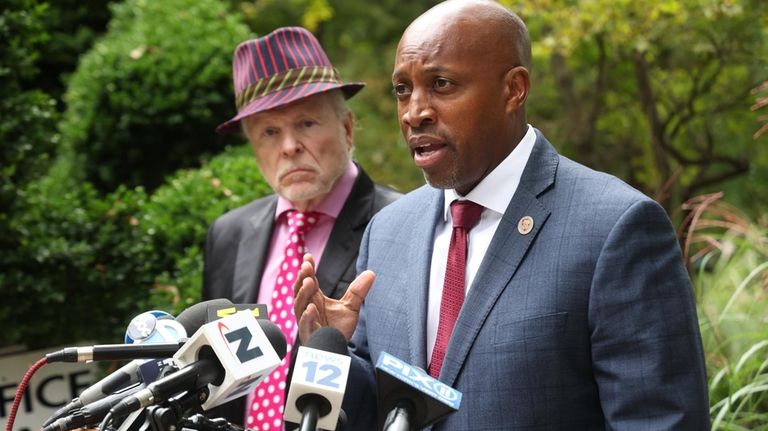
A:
[315,240]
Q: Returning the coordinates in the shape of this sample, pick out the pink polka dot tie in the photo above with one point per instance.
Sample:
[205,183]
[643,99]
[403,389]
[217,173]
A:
[465,216]
[266,410]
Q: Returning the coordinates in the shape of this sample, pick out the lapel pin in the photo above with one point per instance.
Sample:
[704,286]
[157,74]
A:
[525,225]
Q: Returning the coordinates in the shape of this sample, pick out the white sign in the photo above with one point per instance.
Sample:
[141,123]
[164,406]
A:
[51,387]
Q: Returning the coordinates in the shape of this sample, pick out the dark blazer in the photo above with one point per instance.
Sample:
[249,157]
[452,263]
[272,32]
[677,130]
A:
[237,245]
[587,322]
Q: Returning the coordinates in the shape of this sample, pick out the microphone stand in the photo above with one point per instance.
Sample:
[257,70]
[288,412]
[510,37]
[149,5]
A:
[202,423]
[399,418]
[309,417]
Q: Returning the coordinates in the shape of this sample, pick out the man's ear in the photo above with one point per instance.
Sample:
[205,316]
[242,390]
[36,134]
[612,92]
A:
[349,129]
[517,83]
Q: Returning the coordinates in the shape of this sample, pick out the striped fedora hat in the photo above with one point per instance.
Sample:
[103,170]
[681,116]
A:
[282,67]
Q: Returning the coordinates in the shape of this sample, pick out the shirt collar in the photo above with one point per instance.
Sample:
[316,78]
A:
[495,191]
[334,202]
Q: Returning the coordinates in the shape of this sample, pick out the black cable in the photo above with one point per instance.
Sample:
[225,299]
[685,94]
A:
[105,422]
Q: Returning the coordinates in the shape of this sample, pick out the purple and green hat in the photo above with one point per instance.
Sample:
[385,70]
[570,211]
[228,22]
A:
[282,67]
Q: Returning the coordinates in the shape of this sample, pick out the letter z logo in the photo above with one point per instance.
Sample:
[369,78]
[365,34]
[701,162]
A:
[243,335]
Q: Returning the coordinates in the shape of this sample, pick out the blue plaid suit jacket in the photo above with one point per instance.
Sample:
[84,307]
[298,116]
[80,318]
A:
[588,322]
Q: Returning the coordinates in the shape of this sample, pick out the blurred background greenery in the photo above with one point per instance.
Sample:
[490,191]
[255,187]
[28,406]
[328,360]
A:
[110,170]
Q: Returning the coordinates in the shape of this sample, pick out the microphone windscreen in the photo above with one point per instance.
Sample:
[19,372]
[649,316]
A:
[275,336]
[197,315]
[328,339]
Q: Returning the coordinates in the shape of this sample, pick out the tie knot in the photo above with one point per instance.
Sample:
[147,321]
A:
[465,214]
[300,223]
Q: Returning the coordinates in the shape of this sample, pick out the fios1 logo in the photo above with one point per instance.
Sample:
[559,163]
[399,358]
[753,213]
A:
[419,380]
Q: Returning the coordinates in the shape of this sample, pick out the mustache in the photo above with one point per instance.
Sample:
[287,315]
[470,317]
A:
[431,131]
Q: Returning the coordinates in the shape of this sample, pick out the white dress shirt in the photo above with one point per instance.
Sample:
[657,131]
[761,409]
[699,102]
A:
[494,193]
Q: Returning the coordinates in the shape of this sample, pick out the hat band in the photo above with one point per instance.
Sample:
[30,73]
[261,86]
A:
[287,79]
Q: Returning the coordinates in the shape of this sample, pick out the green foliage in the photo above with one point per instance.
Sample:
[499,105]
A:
[73,25]
[105,259]
[146,99]
[656,92]
[79,260]
[27,117]
[180,212]
[729,256]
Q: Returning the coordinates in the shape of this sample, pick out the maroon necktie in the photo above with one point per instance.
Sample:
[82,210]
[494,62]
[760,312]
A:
[465,216]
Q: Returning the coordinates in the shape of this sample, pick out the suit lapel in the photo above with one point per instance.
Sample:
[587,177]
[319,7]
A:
[251,253]
[342,247]
[420,242]
[507,249]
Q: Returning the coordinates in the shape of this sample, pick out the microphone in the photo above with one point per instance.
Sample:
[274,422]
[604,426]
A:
[91,414]
[94,403]
[319,381]
[218,311]
[114,352]
[151,327]
[223,360]
[190,319]
[194,317]
[164,332]
[411,398]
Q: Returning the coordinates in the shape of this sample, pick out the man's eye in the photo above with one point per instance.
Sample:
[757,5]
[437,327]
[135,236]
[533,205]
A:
[442,83]
[308,123]
[270,132]
[401,90]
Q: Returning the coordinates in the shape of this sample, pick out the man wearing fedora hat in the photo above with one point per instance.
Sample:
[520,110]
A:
[291,107]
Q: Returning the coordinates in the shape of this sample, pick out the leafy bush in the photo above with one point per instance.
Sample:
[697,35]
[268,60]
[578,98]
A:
[73,26]
[27,117]
[180,212]
[79,266]
[146,99]
[86,264]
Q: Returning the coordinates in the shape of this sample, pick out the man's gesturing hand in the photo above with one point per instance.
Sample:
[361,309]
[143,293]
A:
[315,310]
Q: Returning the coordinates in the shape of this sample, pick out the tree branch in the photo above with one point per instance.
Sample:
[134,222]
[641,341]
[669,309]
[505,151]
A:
[647,100]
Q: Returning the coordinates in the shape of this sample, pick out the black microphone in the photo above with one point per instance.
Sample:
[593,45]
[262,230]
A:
[411,398]
[136,371]
[91,414]
[195,316]
[114,352]
[191,319]
[319,381]
[223,360]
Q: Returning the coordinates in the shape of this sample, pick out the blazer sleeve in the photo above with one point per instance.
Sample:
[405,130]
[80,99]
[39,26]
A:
[646,345]
[360,398]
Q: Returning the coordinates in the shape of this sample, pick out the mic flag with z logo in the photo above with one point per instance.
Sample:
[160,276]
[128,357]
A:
[244,350]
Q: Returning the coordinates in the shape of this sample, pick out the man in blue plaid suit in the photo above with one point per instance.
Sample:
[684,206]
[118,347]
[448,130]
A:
[578,311]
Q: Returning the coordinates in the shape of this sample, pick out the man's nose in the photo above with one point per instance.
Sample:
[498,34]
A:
[418,110]
[290,144]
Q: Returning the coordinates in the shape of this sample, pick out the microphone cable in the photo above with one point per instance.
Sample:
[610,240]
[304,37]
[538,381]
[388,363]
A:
[20,391]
